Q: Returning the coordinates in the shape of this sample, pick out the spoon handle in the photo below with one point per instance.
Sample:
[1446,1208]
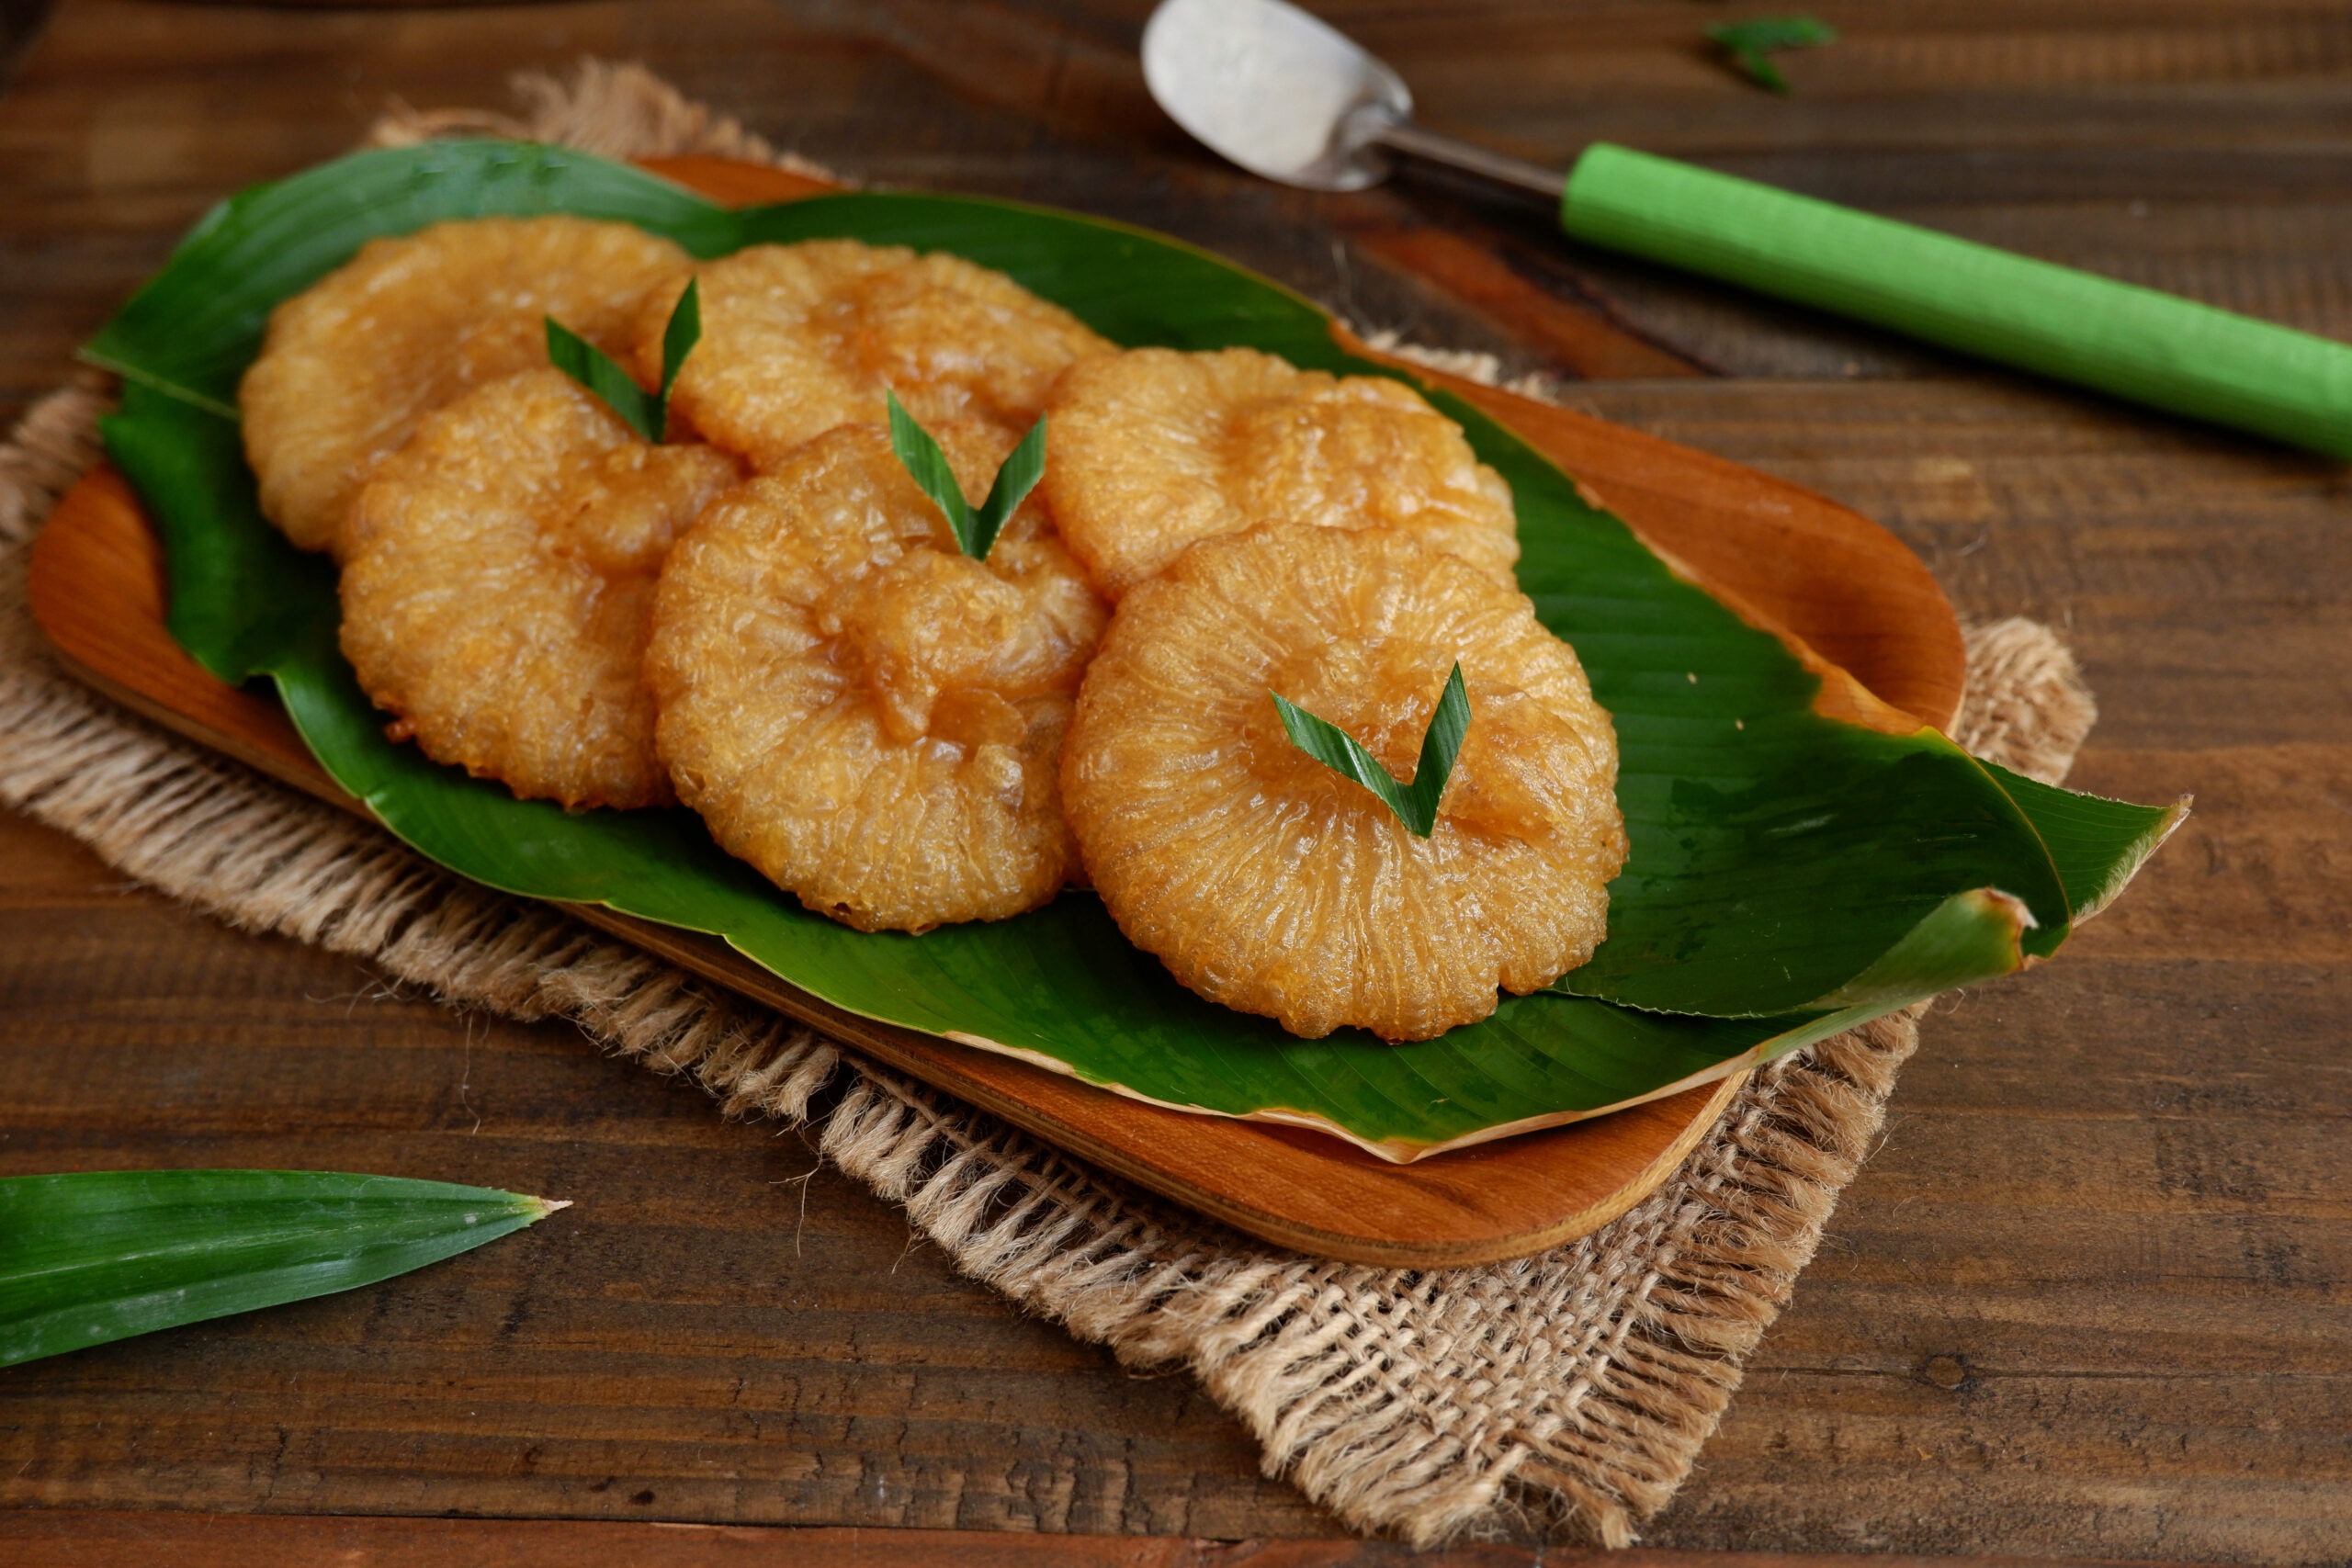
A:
[2133,341]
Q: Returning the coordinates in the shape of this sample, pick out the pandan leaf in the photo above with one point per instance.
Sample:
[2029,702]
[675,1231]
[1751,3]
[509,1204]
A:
[1416,803]
[615,388]
[105,1255]
[976,529]
[1791,873]
[1749,44]
[646,413]
[680,335]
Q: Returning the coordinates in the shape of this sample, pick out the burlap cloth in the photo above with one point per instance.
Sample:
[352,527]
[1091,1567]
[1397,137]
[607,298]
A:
[1575,1386]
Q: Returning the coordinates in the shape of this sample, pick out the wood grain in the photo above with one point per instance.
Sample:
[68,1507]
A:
[205,1540]
[2089,1298]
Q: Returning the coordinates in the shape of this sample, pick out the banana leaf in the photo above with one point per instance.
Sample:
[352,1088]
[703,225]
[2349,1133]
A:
[1792,871]
[104,1254]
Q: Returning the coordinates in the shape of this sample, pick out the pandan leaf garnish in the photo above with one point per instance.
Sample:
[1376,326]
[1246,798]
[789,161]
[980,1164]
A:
[1416,803]
[975,530]
[1749,43]
[646,413]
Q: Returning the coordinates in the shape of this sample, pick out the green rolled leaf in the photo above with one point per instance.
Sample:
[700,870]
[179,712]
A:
[105,1255]
[1791,872]
[1415,804]
[975,528]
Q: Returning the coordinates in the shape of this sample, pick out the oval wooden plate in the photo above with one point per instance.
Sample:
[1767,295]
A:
[1829,577]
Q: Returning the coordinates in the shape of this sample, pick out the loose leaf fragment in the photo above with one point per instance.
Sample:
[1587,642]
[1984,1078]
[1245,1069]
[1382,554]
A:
[976,531]
[1749,44]
[646,413]
[104,1254]
[1416,803]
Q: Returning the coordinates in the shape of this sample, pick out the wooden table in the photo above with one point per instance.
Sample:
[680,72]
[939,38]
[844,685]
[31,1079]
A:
[2093,1297]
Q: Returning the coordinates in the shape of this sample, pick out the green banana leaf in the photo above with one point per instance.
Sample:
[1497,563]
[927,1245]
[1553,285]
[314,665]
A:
[1791,875]
[104,1254]
[2097,844]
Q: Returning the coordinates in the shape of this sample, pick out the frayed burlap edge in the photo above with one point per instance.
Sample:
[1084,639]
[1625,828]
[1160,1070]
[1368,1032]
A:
[1575,1386]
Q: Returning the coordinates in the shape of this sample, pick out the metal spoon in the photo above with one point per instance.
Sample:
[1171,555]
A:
[1286,97]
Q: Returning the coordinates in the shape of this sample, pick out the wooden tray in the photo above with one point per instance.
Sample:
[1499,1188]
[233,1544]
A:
[1837,580]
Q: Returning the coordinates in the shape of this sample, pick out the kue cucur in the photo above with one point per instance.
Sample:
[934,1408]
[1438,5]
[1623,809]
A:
[797,339]
[1269,882]
[498,587]
[862,711]
[1155,450]
[350,365]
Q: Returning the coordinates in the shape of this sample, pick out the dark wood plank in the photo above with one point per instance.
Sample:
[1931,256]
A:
[2088,1298]
[727,1330]
[67,1540]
